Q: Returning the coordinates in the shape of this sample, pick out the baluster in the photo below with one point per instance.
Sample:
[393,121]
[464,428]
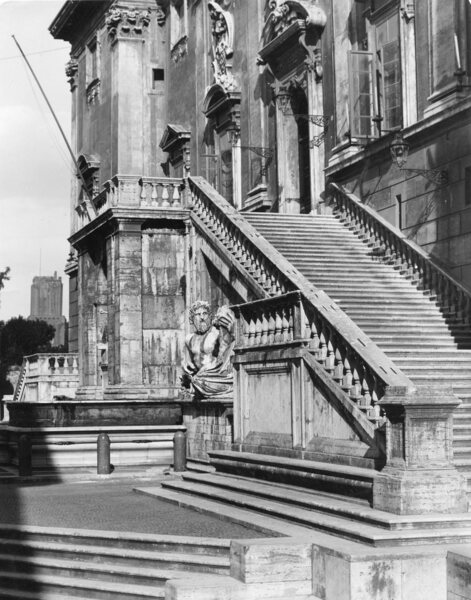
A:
[258,330]
[330,358]
[285,337]
[274,290]
[271,328]
[347,377]
[154,198]
[165,196]
[252,332]
[290,318]
[338,366]
[144,194]
[355,392]
[314,341]
[322,353]
[176,195]
[278,326]
[264,338]
[365,399]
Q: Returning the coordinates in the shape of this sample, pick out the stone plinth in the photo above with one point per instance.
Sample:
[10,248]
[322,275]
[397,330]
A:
[419,476]
[209,426]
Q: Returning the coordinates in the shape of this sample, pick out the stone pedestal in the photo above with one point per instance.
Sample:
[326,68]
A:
[419,476]
[209,426]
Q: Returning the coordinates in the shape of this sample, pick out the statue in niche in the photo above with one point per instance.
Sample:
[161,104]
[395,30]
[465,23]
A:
[207,368]
[222,33]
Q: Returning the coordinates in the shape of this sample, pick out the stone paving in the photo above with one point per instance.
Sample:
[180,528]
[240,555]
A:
[107,505]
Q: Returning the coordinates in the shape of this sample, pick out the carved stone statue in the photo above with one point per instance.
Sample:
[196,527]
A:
[207,369]
[222,41]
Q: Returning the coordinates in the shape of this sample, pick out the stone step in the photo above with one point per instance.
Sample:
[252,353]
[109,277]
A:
[129,557]
[37,595]
[328,477]
[113,539]
[72,587]
[91,569]
[329,504]
[339,526]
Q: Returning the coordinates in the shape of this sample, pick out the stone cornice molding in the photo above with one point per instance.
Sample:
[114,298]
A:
[126,21]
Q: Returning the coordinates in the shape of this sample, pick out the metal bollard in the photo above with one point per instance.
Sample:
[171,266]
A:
[179,451]
[25,461]
[103,466]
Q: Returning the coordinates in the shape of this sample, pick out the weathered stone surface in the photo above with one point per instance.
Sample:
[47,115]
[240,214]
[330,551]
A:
[269,561]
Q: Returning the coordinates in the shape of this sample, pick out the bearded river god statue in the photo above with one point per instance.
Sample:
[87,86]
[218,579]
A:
[207,369]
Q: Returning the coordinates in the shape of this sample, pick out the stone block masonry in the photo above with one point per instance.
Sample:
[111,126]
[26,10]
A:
[209,427]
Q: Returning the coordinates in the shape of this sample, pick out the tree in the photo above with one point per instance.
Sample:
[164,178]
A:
[20,337]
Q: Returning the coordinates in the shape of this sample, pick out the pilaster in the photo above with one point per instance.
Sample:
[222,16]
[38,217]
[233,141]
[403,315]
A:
[126,305]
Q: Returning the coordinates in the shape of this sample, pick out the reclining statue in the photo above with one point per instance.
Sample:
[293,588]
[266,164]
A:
[207,369]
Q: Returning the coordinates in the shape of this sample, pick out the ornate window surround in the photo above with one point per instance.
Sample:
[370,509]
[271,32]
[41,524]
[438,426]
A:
[292,58]
[176,142]
[222,107]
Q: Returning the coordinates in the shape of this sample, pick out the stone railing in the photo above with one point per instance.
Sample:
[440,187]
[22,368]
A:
[45,376]
[292,318]
[391,246]
[348,355]
[162,192]
[133,191]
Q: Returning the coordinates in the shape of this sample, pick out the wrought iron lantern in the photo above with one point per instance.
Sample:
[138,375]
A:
[399,150]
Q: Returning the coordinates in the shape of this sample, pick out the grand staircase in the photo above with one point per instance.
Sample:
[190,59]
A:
[405,322]
[54,564]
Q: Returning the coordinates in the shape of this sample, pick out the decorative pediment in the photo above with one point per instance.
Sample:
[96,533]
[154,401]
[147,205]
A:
[89,165]
[176,141]
[223,107]
[174,137]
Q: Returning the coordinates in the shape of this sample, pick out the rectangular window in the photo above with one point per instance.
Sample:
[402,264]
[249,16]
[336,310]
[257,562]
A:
[376,83]
[388,73]
[361,94]
[158,75]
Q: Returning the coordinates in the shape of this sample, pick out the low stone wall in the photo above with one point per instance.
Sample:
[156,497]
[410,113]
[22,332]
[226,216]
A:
[64,447]
[209,427]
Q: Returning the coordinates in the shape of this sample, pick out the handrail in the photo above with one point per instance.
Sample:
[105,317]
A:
[408,256]
[335,339]
[20,385]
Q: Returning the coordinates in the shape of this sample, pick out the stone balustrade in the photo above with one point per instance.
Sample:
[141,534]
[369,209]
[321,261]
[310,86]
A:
[347,354]
[45,376]
[133,191]
[392,246]
[290,318]
[162,192]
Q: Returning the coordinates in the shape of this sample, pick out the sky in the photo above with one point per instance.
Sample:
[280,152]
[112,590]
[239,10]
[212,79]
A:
[35,167]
